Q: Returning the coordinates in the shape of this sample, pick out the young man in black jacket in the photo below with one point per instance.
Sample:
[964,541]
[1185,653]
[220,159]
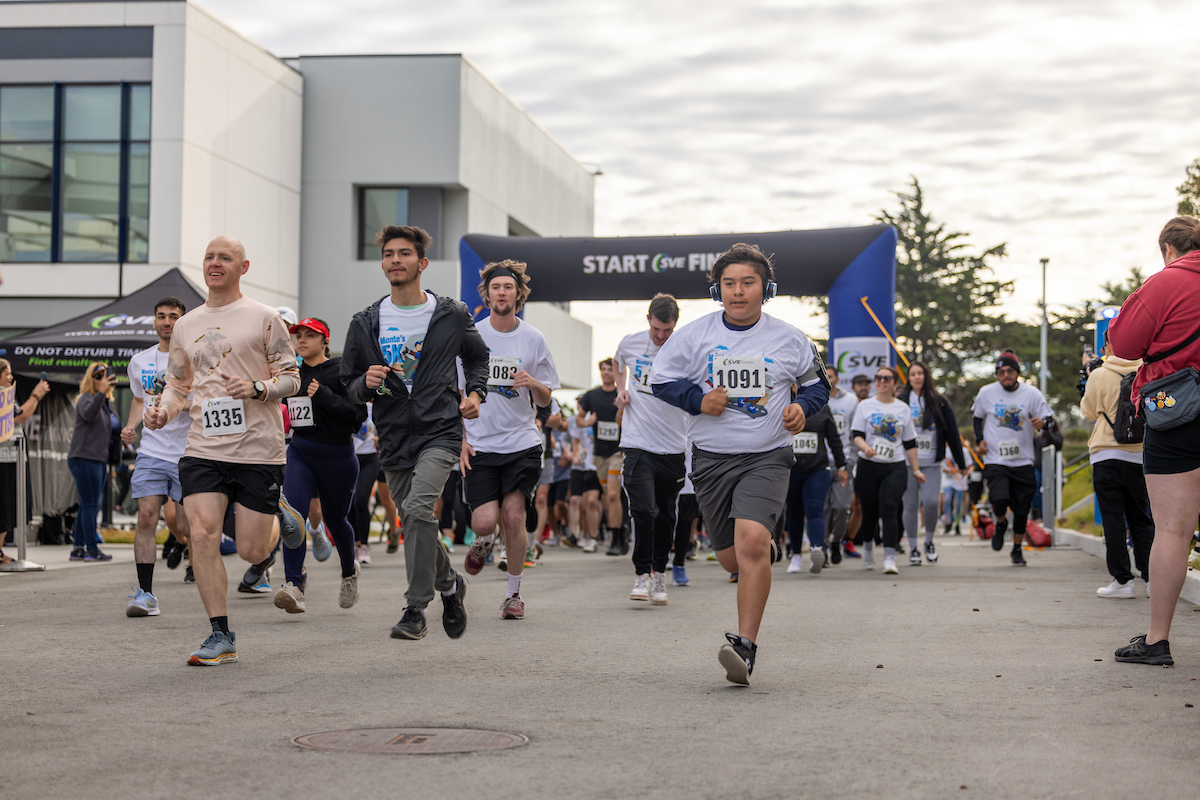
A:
[400,352]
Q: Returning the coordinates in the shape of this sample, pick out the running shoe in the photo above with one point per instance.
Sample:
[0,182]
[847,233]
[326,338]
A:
[173,551]
[679,576]
[290,598]
[889,566]
[1138,652]
[1117,590]
[733,577]
[96,555]
[658,588]
[818,560]
[348,593]
[737,657]
[477,556]
[849,550]
[589,545]
[454,609]
[512,608]
[998,538]
[141,604]
[255,580]
[641,587]
[393,537]
[899,548]
[931,553]
[711,557]
[78,554]
[797,564]
[776,551]
[168,544]
[914,558]
[569,540]
[322,548]
[291,524]
[502,559]
[531,557]
[411,625]
[448,543]
[868,561]
[692,553]
[218,648]
[365,557]
[1018,558]
[835,553]
[189,576]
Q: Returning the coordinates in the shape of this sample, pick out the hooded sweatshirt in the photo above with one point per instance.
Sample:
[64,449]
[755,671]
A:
[1162,313]
[1100,396]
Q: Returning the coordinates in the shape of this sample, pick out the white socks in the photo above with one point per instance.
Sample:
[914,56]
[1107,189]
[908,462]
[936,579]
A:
[514,585]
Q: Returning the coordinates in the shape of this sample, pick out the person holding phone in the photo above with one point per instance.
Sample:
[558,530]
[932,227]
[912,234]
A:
[87,456]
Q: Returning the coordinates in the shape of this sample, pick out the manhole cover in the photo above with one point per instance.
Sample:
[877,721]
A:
[411,741]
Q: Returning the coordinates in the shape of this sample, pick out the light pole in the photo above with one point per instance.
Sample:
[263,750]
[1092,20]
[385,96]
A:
[1044,373]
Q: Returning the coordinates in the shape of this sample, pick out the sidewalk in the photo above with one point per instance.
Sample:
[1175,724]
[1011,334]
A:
[968,673]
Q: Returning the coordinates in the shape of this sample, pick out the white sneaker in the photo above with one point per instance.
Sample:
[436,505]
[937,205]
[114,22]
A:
[1116,591]
[818,561]
[797,564]
[889,566]
[144,604]
[641,588]
[589,546]
[658,588]
[365,558]
[868,561]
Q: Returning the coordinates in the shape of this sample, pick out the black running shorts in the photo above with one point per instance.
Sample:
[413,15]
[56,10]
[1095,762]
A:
[254,486]
[494,475]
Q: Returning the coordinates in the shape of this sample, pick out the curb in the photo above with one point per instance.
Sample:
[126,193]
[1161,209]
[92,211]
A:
[1094,545]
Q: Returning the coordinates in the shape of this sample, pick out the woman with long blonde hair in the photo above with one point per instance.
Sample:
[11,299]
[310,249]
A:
[87,456]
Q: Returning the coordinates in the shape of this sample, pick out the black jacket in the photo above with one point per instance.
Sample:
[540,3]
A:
[429,417]
[947,426]
[825,428]
[336,418]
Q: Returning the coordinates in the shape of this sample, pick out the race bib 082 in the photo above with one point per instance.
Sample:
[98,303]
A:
[502,370]
[741,376]
[223,416]
[300,412]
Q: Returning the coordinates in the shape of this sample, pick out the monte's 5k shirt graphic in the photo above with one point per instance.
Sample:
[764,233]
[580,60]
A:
[402,334]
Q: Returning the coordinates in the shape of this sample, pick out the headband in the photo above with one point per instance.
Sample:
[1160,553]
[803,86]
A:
[504,272]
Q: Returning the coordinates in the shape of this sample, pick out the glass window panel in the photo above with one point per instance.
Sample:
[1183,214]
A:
[91,181]
[91,113]
[138,190]
[139,113]
[380,208]
[26,113]
[25,207]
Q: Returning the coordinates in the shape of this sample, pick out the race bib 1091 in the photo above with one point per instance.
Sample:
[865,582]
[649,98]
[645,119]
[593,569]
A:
[741,376]
[300,412]
[223,416]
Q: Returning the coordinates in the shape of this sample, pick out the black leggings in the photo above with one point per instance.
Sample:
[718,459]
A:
[454,510]
[360,506]
[880,488]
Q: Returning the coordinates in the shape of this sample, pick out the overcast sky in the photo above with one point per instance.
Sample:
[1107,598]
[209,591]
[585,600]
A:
[1061,127]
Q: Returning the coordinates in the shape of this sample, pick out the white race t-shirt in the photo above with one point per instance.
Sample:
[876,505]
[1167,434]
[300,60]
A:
[886,426]
[760,364]
[927,438]
[648,424]
[147,379]
[951,478]
[1006,426]
[401,334]
[506,421]
[842,407]
[587,445]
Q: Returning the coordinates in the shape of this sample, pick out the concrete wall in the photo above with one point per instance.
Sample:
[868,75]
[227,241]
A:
[570,343]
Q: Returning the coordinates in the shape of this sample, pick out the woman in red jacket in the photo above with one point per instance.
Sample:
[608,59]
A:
[1160,315]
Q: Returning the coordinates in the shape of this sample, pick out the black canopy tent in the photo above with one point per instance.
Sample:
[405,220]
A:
[111,333]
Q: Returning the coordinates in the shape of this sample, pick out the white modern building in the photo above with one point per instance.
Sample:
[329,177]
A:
[133,132]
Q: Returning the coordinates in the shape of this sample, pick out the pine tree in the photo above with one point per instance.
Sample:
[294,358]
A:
[1189,191]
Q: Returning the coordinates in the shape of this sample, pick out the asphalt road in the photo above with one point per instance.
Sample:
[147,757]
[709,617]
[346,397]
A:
[970,678]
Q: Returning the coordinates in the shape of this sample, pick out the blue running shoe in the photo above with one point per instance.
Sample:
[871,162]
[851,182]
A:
[291,524]
[218,648]
[679,576]
[141,604]
[257,577]
[322,548]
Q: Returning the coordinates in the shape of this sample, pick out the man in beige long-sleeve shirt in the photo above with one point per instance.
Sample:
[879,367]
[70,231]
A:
[1117,478]
[234,355]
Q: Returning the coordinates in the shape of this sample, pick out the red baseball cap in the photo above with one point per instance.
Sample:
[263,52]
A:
[311,324]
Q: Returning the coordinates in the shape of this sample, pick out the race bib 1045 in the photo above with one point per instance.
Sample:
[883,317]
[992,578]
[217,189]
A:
[741,376]
[884,450]
[804,444]
[300,412]
[502,370]
[223,416]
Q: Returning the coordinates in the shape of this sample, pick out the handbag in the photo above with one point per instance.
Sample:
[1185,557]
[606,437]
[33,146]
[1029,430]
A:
[1173,400]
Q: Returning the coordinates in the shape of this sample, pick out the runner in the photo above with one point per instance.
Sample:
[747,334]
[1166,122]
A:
[234,353]
[585,486]
[502,449]
[1007,412]
[861,385]
[879,481]
[936,428]
[321,461]
[686,524]
[652,441]
[598,410]
[841,494]
[156,470]
[731,372]
[400,352]
[954,493]
[360,505]
[808,486]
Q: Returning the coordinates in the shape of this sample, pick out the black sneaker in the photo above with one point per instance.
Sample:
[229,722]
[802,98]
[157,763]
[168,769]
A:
[914,558]
[454,613]
[998,536]
[176,555]
[252,580]
[737,658]
[835,553]
[1018,558]
[931,553]
[1138,652]
[168,545]
[188,577]
[411,625]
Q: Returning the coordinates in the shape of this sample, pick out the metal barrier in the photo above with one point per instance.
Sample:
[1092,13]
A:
[21,534]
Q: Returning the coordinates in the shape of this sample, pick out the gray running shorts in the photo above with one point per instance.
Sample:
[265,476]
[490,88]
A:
[749,486]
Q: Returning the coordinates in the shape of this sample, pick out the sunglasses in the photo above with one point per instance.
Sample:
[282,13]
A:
[883,378]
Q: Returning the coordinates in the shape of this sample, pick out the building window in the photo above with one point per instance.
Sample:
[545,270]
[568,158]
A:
[380,206]
[74,173]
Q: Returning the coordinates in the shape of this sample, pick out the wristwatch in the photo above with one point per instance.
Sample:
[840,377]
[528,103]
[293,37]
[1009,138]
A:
[259,388]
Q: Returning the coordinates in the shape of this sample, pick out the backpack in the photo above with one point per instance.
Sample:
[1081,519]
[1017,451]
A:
[1128,427]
